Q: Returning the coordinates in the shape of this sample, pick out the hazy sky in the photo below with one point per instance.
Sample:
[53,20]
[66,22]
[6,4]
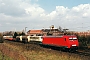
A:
[38,14]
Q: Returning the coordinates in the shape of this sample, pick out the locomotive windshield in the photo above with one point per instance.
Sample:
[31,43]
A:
[72,38]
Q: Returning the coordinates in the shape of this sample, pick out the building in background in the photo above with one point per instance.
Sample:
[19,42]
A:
[44,32]
[35,32]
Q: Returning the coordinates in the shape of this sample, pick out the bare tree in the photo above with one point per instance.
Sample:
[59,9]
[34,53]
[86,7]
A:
[60,29]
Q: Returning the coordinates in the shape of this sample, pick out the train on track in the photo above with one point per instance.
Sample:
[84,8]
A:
[69,42]
[66,42]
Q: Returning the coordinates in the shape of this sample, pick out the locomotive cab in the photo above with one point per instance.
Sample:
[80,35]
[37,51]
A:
[72,42]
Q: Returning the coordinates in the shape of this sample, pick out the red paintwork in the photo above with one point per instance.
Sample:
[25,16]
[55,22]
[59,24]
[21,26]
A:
[60,41]
[10,38]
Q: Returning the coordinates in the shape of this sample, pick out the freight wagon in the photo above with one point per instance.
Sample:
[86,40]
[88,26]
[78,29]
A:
[8,38]
[28,39]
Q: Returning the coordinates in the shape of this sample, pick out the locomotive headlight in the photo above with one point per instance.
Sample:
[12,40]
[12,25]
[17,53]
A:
[73,45]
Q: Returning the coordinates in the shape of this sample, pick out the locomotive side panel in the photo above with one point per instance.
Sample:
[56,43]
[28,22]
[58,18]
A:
[55,41]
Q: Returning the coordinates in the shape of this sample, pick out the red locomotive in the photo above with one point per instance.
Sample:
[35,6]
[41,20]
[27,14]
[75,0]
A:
[67,41]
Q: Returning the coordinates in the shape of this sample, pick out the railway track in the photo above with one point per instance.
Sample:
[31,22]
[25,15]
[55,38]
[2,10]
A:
[37,47]
[85,52]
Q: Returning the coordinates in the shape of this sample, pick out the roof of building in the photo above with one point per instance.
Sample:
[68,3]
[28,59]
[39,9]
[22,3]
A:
[35,31]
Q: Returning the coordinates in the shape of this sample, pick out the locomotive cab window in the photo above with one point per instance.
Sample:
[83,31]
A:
[74,38]
[70,39]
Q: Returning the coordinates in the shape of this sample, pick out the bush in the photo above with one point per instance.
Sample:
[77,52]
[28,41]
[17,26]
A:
[15,34]
[1,38]
[82,40]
